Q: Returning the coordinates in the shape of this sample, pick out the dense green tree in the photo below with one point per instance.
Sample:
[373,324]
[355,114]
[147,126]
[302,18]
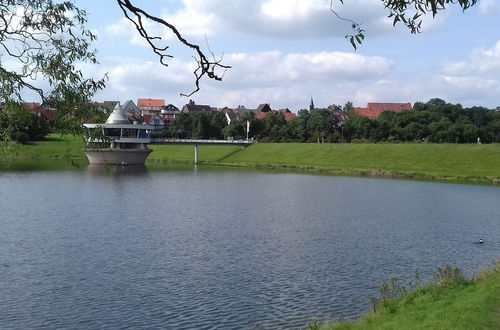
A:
[45,39]
[298,129]
[320,125]
[358,127]
[181,126]
[217,124]
[235,130]
[19,125]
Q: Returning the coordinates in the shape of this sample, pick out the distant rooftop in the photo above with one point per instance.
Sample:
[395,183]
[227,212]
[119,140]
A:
[150,103]
[374,110]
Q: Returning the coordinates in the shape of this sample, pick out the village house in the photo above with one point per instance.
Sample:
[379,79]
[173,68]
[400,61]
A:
[109,106]
[192,107]
[130,109]
[155,120]
[150,106]
[42,110]
[265,109]
[260,112]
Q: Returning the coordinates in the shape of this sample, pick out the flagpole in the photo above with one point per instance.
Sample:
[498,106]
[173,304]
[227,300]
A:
[248,128]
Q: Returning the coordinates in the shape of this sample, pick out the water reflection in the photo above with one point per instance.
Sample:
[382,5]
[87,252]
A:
[153,247]
[94,170]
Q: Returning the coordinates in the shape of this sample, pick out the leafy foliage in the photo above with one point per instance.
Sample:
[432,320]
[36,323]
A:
[43,42]
[435,121]
[408,12]
[45,39]
[18,125]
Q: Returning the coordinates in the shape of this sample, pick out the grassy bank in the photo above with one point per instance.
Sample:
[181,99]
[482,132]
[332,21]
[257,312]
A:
[458,162]
[444,161]
[452,304]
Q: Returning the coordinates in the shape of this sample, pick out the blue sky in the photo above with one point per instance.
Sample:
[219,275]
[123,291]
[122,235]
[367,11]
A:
[284,52]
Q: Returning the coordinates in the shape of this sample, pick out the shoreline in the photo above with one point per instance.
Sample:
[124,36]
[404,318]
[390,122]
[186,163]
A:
[451,302]
[450,163]
[361,173]
[76,163]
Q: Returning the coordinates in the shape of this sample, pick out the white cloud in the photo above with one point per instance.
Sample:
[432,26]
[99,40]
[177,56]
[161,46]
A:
[121,28]
[285,80]
[124,29]
[484,62]
[290,19]
[489,6]
[291,9]
[277,69]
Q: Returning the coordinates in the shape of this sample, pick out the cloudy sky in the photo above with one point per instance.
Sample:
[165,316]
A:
[284,52]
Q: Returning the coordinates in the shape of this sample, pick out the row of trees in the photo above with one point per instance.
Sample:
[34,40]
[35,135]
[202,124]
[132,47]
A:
[434,121]
[307,127]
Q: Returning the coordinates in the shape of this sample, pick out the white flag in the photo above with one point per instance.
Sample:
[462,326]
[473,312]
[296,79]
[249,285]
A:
[248,126]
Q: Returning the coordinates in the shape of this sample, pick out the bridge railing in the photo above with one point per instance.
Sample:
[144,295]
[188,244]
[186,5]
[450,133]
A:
[199,141]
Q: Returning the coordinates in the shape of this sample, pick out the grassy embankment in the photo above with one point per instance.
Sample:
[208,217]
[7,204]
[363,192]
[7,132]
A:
[462,162]
[454,305]
[54,153]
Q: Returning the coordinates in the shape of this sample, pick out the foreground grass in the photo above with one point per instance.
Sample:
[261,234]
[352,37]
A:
[460,162]
[475,305]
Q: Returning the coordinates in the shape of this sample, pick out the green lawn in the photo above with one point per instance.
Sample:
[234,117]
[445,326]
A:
[472,306]
[455,161]
[466,162]
[55,146]
[207,154]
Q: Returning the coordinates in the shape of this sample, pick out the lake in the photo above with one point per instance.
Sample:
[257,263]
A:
[224,249]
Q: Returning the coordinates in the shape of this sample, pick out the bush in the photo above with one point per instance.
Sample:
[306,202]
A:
[20,137]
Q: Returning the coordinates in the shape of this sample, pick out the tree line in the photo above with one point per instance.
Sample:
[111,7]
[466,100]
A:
[435,121]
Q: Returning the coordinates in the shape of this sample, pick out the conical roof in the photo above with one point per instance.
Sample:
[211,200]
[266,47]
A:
[117,116]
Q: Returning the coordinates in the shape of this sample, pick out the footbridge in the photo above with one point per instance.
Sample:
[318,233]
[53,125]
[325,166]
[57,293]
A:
[196,143]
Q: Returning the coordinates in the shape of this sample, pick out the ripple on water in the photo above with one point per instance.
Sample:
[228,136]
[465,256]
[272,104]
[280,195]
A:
[224,251]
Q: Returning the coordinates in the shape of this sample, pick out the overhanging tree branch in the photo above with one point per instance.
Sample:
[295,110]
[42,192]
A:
[206,67]
[44,39]
[408,12]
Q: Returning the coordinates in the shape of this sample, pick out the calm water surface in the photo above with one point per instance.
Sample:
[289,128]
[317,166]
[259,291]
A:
[223,249]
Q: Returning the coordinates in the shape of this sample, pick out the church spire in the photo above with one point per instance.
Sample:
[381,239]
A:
[311,106]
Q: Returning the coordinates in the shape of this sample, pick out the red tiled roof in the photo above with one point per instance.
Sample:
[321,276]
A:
[367,112]
[375,109]
[397,107]
[31,106]
[36,109]
[289,116]
[50,115]
[262,115]
[150,103]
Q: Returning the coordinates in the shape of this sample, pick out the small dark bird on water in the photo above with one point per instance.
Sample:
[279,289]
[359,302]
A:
[481,240]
